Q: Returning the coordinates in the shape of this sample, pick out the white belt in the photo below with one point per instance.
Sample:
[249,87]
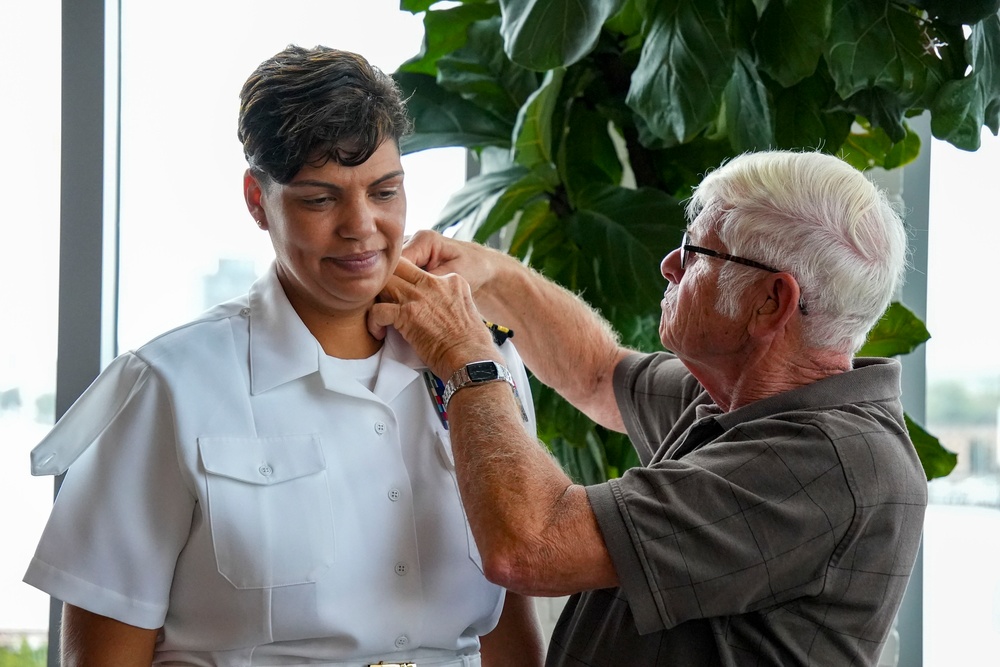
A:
[457,661]
[460,661]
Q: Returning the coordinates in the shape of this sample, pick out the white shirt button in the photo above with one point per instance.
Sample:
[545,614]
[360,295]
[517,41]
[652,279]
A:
[402,641]
[394,495]
[380,427]
[265,470]
[401,569]
[245,312]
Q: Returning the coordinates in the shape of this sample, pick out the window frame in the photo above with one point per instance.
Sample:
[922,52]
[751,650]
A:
[88,251]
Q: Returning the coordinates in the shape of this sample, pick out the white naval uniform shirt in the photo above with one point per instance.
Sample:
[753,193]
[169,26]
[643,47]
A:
[228,485]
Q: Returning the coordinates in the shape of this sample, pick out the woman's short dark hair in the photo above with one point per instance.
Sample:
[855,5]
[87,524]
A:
[307,106]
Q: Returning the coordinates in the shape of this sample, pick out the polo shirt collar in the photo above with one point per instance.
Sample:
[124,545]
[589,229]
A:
[870,380]
[283,349]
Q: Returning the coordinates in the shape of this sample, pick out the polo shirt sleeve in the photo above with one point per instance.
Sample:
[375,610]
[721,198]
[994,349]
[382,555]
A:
[747,521]
[124,511]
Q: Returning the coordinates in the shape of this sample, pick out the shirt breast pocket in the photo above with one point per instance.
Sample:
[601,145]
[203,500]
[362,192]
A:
[448,459]
[269,509]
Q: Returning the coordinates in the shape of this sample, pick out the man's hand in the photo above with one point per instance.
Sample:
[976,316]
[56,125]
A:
[436,316]
[440,255]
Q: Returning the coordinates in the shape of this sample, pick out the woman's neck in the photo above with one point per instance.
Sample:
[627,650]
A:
[342,336]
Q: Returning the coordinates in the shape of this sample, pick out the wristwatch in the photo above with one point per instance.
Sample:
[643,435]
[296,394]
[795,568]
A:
[478,372]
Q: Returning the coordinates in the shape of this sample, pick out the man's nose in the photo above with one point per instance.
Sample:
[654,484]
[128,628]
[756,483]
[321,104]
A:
[670,267]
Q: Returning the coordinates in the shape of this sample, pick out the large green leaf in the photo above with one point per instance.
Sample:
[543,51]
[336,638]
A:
[790,38]
[962,107]
[880,44]
[533,130]
[869,147]
[686,62]
[626,233]
[475,192]
[935,459]
[619,452]
[681,168]
[899,331]
[533,187]
[546,34]
[445,31]
[958,12]
[749,120]
[585,464]
[441,118]
[538,227]
[885,60]
[629,19]
[482,74]
[415,6]
[588,154]
[883,109]
[803,117]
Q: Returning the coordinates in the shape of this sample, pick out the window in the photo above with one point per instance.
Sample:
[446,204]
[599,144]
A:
[962,529]
[29,275]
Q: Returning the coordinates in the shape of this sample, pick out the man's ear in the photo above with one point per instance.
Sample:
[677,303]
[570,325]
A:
[253,194]
[780,303]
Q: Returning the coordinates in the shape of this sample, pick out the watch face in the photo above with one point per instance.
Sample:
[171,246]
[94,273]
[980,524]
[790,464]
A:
[482,371]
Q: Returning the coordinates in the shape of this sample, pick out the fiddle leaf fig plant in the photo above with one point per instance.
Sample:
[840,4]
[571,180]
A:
[592,120]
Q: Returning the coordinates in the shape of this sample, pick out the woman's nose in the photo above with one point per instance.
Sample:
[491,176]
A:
[360,221]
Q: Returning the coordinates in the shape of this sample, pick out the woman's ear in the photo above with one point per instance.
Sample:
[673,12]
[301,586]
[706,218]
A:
[253,194]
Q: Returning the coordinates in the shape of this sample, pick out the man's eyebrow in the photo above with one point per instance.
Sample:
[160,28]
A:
[315,183]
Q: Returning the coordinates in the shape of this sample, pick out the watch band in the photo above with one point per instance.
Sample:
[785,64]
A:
[478,372]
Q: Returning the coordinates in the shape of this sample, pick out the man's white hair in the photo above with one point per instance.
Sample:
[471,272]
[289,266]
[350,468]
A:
[819,219]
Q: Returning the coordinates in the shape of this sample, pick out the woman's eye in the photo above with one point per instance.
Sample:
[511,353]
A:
[317,201]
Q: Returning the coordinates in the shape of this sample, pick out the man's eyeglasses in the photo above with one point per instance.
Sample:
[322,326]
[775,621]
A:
[687,248]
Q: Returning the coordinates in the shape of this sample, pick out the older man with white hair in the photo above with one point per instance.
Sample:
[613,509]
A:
[777,513]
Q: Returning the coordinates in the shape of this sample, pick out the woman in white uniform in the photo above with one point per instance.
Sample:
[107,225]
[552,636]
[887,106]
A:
[269,484]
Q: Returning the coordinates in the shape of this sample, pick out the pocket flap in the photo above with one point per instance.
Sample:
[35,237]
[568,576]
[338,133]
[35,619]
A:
[443,441]
[262,460]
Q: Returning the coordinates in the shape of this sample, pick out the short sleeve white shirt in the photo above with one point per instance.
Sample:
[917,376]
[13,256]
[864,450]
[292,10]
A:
[231,484]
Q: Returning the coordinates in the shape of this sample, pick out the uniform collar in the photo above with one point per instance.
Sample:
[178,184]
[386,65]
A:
[283,349]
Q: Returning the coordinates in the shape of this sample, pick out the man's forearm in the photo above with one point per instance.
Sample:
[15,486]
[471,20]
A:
[566,344]
[535,529]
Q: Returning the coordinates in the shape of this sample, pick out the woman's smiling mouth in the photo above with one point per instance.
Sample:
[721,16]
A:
[361,261]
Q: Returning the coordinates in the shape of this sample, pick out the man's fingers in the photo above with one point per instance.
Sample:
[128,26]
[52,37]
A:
[420,247]
[398,289]
[380,317]
[409,271]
